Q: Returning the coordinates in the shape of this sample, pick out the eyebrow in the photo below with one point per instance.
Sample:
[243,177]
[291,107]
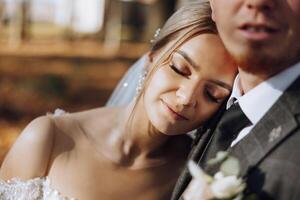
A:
[188,59]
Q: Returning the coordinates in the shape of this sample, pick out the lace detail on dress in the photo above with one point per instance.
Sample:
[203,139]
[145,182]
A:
[33,189]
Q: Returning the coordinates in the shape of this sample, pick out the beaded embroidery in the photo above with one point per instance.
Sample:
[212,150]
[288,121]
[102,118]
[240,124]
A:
[33,189]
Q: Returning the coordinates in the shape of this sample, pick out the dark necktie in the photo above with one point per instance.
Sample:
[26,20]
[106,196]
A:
[231,123]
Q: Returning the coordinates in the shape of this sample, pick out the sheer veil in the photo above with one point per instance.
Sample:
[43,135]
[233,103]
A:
[126,88]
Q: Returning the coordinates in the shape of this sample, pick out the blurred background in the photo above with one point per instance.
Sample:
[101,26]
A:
[68,54]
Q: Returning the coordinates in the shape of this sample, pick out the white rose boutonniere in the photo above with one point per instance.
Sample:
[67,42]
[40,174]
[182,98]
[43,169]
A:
[225,184]
[227,187]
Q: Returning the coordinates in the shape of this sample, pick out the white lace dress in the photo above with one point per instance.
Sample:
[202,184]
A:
[33,189]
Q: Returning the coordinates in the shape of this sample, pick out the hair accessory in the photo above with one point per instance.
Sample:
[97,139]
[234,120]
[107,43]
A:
[156,34]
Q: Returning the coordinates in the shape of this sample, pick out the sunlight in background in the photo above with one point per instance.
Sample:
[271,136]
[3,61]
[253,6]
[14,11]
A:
[82,16]
[88,15]
[60,54]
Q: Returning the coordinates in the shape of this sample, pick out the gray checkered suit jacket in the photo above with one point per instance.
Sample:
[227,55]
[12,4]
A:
[269,155]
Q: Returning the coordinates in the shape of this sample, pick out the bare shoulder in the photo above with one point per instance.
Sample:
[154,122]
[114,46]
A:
[30,154]
[100,113]
[96,121]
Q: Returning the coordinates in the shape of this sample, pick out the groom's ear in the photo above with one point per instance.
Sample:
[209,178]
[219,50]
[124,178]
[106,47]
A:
[211,2]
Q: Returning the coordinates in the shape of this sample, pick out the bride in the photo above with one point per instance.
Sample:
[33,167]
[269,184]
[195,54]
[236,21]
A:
[134,151]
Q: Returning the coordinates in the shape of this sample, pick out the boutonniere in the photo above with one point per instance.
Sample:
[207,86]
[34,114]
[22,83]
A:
[224,185]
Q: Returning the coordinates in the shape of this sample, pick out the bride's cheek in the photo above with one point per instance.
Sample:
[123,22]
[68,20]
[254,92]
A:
[162,81]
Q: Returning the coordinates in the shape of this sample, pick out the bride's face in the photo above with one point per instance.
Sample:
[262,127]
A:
[189,88]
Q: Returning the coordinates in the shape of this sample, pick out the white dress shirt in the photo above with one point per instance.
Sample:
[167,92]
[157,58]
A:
[256,102]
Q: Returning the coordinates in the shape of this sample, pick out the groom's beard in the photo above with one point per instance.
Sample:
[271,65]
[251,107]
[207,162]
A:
[258,61]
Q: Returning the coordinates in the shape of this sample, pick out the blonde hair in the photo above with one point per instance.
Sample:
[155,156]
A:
[193,15]
[192,19]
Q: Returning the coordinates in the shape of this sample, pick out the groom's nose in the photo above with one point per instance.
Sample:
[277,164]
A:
[262,5]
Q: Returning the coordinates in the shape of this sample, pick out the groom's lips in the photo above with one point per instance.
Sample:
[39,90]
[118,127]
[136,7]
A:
[174,114]
[258,31]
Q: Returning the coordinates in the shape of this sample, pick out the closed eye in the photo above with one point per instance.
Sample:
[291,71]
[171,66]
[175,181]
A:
[213,98]
[178,71]
[216,93]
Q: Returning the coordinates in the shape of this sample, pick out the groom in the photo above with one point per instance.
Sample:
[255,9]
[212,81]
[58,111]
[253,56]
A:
[263,36]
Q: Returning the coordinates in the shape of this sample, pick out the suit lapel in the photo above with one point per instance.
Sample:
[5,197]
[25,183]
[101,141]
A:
[270,132]
[276,125]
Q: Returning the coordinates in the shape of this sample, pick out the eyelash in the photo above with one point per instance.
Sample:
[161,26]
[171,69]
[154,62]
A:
[175,69]
[208,94]
[212,98]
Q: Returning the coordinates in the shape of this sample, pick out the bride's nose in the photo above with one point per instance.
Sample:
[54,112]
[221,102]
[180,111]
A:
[187,96]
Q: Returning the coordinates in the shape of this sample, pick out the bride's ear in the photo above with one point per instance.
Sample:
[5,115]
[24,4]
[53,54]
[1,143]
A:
[149,59]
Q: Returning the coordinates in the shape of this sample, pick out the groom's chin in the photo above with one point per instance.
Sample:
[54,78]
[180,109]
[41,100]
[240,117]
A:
[255,61]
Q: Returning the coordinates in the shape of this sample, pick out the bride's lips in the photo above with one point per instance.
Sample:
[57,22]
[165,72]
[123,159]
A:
[258,31]
[173,113]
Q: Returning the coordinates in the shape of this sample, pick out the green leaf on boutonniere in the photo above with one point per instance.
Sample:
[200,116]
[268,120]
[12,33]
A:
[230,167]
[220,157]
[251,197]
